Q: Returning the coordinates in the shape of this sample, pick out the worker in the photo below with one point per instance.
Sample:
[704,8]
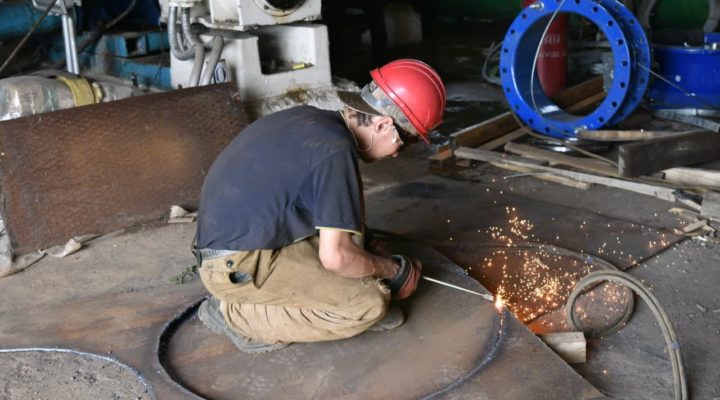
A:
[280,224]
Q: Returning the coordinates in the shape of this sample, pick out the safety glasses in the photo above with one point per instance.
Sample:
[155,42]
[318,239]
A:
[405,136]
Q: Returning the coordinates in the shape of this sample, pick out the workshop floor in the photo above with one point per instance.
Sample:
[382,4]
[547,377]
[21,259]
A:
[631,364]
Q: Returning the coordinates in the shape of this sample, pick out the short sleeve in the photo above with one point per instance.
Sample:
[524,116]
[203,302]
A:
[335,193]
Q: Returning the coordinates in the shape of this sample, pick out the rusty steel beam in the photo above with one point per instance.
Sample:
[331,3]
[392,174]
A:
[105,167]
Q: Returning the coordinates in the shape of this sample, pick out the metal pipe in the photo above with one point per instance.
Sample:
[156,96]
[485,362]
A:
[190,39]
[212,60]
[487,297]
[71,56]
[197,65]
[177,45]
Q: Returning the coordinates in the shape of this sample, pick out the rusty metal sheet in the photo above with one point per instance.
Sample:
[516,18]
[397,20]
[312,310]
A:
[105,167]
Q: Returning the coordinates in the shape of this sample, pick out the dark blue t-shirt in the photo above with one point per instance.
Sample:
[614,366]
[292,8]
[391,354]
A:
[280,179]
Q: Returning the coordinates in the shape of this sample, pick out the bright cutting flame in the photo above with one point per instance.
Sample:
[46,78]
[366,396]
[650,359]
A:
[499,303]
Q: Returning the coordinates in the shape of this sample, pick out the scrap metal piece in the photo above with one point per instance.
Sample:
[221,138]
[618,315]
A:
[693,120]
[104,167]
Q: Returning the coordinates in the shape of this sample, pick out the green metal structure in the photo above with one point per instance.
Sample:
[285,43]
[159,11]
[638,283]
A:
[684,14]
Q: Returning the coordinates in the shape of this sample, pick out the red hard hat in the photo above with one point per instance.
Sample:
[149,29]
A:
[416,89]
[408,90]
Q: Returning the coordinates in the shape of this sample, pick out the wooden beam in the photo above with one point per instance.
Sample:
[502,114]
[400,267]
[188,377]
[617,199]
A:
[693,177]
[500,142]
[567,97]
[642,158]
[548,177]
[638,119]
[586,93]
[582,106]
[586,104]
[570,346]
[441,159]
[711,205]
[584,164]
[484,131]
[623,135]
[659,192]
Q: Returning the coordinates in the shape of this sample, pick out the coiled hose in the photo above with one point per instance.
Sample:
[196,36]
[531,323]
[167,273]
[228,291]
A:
[668,331]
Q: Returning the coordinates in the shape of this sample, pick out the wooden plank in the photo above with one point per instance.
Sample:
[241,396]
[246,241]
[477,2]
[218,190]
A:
[638,119]
[711,205]
[441,158]
[584,164]
[484,131]
[586,93]
[625,135]
[561,180]
[502,140]
[642,158]
[585,105]
[693,177]
[574,94]
[570,346]
[642,188]
[582,106]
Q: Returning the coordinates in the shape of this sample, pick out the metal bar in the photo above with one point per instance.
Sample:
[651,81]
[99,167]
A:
[487,297]
[689,119]
[71,56]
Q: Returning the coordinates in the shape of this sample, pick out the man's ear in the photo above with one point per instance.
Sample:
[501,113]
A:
[382,123]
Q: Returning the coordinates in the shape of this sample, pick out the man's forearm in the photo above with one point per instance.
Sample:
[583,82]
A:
[359,263]
[338,253]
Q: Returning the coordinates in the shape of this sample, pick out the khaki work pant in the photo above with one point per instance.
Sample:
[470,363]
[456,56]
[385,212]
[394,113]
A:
[286,295]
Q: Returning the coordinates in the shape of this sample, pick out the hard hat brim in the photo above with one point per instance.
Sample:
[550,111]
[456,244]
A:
[355,101]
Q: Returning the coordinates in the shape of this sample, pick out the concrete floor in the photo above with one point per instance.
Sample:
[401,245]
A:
[633,363]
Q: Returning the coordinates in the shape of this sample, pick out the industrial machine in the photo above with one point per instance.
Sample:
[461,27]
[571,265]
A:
[268,48]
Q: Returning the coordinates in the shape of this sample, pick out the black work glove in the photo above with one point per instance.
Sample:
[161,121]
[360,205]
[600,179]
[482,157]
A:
[404,283]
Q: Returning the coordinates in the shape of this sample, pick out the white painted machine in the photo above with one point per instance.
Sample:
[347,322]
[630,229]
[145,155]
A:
[267,47]
[246,14]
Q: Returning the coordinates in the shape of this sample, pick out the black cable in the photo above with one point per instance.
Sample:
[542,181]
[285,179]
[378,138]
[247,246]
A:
[27,36]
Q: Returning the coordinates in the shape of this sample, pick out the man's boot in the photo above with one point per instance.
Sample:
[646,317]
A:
[210,315]
[391,320]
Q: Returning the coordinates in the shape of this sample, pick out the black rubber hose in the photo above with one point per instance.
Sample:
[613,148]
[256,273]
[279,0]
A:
[668,331]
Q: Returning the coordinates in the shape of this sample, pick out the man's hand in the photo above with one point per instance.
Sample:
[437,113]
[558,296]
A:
[405,282]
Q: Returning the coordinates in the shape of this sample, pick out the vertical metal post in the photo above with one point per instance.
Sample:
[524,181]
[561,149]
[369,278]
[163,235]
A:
[71,56]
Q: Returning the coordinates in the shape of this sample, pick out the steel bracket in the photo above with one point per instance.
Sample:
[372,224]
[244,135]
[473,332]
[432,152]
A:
[630,49]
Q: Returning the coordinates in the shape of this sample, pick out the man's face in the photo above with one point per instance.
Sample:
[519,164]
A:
[386,140]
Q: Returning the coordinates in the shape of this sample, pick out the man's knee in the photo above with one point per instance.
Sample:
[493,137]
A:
[371,306]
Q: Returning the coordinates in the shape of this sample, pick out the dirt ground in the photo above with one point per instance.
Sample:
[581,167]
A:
[54,375]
